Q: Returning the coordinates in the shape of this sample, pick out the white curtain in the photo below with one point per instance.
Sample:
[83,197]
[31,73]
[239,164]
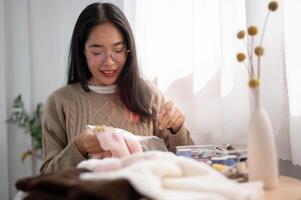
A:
[188,48]
[292,32]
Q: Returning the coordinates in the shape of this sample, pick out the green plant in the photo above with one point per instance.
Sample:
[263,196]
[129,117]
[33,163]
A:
[31,123]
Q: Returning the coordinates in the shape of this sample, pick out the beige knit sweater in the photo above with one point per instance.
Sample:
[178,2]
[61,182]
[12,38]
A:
[70,108]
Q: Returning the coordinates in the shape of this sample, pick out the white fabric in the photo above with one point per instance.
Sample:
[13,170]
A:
[107,89]
[193,62]
[164,176]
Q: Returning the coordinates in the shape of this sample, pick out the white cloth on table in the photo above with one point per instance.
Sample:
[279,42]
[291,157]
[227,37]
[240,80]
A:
[165,176]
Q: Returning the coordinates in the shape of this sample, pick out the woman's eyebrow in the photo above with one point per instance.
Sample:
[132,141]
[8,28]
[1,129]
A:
[95,46]
[101,46]
[118,43]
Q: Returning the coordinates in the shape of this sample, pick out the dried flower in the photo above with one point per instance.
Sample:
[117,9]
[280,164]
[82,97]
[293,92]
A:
[273,5]
[241,57]
[254,82]
[253,70]
[252,30]
[241,34]
[259,51]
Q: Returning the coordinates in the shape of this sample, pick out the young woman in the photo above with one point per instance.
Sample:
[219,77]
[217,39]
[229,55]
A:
[104,87]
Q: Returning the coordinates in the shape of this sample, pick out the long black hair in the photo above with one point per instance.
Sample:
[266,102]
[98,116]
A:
[133,90]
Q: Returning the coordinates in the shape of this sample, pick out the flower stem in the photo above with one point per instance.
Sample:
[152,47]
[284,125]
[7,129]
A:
[248,50]
[258,67]
[264,27]
[248,69]
[251,56]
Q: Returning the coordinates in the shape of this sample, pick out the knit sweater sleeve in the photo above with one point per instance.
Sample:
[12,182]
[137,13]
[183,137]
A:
[182,137]
[58,152]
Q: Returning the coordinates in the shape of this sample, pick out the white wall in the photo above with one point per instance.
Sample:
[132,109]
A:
[16,80]
[3,130]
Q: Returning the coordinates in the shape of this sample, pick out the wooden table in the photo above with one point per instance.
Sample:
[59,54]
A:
[288,189]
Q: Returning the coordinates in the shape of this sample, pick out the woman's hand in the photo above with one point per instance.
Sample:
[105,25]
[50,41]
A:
[171,117]
[87,142]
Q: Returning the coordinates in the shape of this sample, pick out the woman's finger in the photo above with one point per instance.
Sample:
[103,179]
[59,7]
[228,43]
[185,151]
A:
[173,118]
[178,124]
[164,120]
[166,108]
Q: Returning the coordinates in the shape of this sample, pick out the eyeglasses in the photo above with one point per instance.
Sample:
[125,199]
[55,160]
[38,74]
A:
[116,55]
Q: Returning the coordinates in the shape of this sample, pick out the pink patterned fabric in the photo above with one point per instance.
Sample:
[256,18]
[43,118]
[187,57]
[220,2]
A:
[116,143]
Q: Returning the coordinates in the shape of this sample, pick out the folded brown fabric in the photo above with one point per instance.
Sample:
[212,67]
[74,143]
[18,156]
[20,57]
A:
[38,195]
[119,189]
[65,184]
[56,182]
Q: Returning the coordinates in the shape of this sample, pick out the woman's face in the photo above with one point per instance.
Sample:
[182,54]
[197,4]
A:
[106,54]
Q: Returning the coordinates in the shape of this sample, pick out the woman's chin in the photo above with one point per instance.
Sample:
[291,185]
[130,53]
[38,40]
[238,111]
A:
[108,82]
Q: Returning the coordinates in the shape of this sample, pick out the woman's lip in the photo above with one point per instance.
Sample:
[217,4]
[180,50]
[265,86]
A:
[108,73]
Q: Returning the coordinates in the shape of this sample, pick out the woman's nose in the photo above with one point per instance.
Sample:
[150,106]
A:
[108,60]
